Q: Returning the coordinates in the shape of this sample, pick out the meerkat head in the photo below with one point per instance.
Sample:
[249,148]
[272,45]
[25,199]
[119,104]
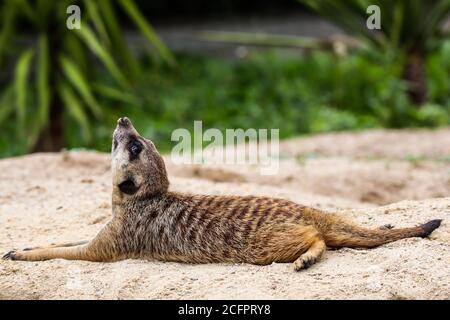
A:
[137,167]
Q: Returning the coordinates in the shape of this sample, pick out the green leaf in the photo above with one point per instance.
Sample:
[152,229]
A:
[98,22]
[118,95]
[75,109]
[406,25]
[6,103]
[80,83]
[43,88]
[78,53]
[435,17]
[117,38]
[92,42]
[21,86]
[349,15]
[147,30]
[7,18]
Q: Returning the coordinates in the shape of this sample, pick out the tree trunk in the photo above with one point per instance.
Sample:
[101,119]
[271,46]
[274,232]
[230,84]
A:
[415,75]
[51,139]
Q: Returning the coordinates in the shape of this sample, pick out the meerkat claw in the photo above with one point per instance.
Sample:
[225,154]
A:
[10,255]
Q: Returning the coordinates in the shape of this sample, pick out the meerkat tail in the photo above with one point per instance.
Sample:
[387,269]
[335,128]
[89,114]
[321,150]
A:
[352,236]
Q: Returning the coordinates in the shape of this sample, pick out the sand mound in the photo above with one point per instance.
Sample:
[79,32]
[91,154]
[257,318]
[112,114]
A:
[400,144]
[47,198]
[376,166]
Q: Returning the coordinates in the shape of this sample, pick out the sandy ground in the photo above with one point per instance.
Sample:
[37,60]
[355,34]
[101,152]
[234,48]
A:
[375,177]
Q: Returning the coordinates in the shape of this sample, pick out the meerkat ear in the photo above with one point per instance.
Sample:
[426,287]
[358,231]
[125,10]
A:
[151,144]
[149,141]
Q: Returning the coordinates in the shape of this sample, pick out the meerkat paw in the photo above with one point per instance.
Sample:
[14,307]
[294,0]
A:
[304,262]
[11,255]
[15,255]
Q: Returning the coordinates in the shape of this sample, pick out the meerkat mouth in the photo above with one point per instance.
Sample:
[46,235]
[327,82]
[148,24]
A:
[128,186]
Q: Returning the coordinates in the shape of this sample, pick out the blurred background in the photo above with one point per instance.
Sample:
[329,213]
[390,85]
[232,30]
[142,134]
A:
[301,66]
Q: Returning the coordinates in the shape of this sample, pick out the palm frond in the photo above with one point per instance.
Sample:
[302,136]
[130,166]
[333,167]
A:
[42,82]
[7,103]
[59,72]
[21,86]
[75,109]
[405,24]
[117,38]
[79,82]
[92,42]
[147,30]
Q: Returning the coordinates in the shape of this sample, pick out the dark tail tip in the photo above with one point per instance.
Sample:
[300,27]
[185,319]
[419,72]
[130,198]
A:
[430,226]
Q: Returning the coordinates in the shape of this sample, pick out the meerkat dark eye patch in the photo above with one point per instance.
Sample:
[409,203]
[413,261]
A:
[128,187]
[134,147]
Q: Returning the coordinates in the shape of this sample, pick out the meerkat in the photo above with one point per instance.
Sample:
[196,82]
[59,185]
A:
[150,222]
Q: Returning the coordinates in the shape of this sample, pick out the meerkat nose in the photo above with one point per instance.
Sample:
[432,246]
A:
[124,122]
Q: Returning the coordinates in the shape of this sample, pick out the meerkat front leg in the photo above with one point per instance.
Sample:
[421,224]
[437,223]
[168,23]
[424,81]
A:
[70,253]
[55,245]
[91,251]
[104,247]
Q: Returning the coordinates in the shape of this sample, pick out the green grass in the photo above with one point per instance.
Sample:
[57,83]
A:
[299,94]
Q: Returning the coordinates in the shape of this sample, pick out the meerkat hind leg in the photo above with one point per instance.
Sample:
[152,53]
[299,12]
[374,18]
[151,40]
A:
[311,256]
[286,243]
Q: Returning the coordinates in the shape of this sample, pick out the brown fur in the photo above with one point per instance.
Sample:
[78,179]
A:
[151,222]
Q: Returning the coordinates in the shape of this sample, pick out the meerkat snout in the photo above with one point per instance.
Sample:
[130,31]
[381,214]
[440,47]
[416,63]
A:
[124,122]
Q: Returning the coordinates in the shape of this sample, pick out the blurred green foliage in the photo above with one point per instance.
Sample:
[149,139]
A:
[298,94]
[47,70]
[88,78]
[409,30]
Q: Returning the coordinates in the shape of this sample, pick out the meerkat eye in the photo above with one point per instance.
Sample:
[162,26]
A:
[135,148]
